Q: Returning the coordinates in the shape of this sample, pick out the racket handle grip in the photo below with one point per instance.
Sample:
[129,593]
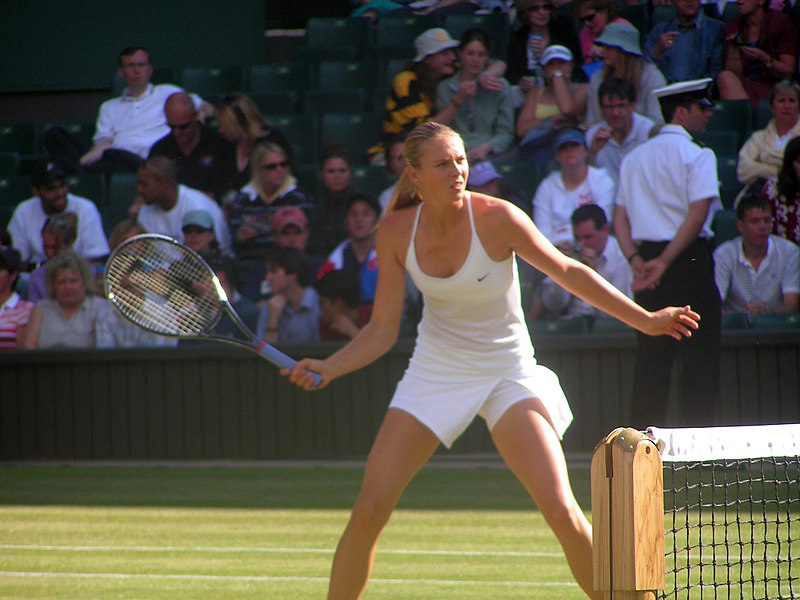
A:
[283,361]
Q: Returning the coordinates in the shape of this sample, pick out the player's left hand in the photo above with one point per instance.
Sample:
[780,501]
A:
[676,322]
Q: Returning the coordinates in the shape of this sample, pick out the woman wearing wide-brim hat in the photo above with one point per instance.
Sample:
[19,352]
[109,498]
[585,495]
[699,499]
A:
[622,57]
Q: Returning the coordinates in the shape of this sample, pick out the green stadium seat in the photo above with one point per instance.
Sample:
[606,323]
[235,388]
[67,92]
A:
[777,321]
[353,100]
[730,12]
[300,131]
[722,142]
[356,132]
[88,185]
[392,66]
[377,99]
[82,132]
[559,326]
[337,75]
[735,321]
[729,186]
[277,103]
[212,83]
[394,36]
[265,79]
[639,17]
[13,190]
[610,325]
[521,174]
[120,196]
[724,226]
[762,114]
[309,177]
[331,33]
[733,115]
[662,13]
[371,180]
[19,138]
[9,164]
[496,25]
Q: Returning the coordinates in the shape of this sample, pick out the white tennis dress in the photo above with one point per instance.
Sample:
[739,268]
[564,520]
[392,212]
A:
[473,354]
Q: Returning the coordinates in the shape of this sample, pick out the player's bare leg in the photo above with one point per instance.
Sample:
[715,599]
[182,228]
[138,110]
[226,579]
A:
[530,447]
[403,445]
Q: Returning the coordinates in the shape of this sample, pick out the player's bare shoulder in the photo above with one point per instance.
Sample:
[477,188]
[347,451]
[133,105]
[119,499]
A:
[494,211]
[394,230]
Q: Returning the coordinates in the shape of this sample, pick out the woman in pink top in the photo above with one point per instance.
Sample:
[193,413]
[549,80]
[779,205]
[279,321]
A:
[594,15]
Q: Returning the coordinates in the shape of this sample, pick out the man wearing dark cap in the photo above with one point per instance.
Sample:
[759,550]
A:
[51,197]
[667,194]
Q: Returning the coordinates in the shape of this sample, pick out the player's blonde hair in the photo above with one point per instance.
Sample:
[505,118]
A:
[406,193]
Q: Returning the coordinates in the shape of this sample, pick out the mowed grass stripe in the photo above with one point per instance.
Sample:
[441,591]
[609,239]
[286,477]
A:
[245,550]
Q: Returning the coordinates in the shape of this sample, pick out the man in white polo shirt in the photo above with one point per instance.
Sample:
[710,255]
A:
[667,191]
[127,126]
[757,272]
[166,203]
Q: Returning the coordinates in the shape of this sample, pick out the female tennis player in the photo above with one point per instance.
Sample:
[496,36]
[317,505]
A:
[473,354]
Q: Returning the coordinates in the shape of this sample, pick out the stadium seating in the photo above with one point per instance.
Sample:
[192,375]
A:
[777,321]
[371,180]
[496,25]
[9,164]
[724,226]
[300,131]
[19,138]
[762,114]
[326,35]
[356,132]
[729,186]
[724,142]
[733,115]
[82,132]
[662,13]
[212,83]
[265,79]
[353,100]
[119,197]
[88,185]
[559,326]
[277,103]
[13,190]
[338,75]
[394,36]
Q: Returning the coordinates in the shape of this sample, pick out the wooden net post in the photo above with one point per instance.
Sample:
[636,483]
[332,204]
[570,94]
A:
[627,516]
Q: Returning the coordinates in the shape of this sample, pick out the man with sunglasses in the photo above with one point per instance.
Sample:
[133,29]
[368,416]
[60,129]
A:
[127,126]
[196,149]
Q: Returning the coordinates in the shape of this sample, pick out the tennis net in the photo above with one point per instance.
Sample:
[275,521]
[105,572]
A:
[731,511]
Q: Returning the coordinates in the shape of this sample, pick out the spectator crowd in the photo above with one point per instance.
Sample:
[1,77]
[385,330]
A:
[570,104]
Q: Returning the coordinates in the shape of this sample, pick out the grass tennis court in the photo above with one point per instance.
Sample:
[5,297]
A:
[460,532]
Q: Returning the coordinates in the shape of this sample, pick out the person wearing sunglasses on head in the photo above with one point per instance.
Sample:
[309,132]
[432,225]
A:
[243,124]
[540,27]
[197,149]
[251,212]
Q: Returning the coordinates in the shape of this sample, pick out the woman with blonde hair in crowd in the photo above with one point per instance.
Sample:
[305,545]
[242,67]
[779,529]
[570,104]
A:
[623,58]
[272,186]
[58,235]
[473,354]
[72,315]
[243,125]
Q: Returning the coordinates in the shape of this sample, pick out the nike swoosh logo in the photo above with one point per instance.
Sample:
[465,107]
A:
[482,278]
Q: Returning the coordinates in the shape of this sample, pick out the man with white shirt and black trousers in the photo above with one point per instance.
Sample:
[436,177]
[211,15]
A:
[667,193]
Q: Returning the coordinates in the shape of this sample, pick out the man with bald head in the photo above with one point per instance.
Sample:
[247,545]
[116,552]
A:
[195,148]
[166,202]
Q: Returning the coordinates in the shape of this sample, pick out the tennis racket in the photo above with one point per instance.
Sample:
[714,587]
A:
[166,288]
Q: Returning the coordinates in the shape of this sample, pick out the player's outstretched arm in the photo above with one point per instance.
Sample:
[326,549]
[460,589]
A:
[587,284]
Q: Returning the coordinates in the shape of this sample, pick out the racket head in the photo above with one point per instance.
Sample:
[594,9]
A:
[162,286]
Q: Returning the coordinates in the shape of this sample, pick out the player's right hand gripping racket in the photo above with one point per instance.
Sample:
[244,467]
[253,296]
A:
[166,288]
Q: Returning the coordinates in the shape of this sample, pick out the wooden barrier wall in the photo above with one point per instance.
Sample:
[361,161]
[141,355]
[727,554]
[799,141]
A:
[216,402]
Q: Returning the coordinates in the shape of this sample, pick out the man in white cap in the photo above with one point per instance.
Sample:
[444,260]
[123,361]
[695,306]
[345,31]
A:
[667,192]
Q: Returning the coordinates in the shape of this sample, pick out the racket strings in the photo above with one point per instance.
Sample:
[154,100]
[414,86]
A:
[163,288]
